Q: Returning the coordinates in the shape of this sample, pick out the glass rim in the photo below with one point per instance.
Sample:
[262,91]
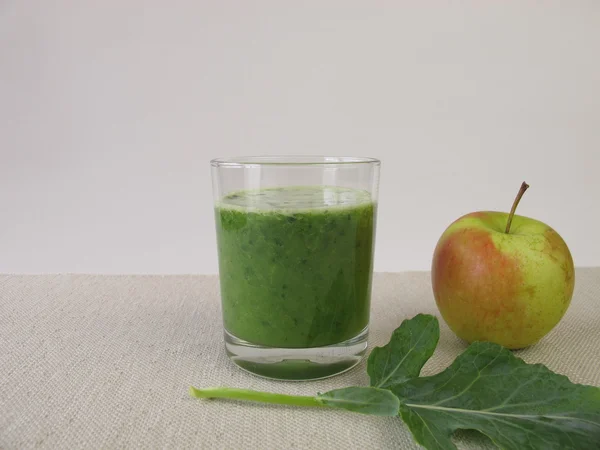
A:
[293,160]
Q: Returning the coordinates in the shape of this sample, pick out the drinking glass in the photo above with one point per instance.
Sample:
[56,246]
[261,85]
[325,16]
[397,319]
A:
[295,239]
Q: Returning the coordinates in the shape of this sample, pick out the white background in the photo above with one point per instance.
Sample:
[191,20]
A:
[111,110]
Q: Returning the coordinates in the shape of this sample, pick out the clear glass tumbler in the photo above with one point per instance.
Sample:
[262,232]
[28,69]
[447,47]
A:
[295,241]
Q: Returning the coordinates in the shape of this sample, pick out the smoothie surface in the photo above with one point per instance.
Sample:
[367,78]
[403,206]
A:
[295,199]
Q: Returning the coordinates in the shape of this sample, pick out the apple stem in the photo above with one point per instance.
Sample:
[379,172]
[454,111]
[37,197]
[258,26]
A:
[524,187]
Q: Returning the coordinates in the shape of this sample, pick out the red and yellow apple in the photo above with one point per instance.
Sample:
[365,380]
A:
[502,278]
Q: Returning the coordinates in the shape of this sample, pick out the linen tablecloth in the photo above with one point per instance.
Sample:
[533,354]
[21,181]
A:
[89,361]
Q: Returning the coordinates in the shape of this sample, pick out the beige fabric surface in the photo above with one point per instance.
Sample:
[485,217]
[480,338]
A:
[105,362]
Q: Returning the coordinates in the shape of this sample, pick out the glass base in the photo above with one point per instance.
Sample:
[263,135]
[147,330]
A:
[296,363]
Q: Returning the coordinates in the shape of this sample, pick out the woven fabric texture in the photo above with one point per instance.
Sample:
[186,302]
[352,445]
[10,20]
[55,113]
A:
[91,361]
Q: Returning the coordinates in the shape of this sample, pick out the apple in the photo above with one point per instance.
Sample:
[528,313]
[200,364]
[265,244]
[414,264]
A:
[502,278]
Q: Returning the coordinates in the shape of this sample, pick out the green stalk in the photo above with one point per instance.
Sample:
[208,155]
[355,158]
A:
[255,396]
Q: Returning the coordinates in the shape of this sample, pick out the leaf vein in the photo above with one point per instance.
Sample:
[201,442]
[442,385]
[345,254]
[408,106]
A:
[516,416]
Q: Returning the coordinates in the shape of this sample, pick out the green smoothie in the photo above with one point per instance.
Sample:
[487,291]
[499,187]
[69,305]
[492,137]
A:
[295,264]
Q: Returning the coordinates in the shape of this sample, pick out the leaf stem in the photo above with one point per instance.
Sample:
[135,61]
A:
[255,396]
[524,187]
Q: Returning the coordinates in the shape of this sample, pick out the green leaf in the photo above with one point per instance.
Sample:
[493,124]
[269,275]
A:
[410,346]
[517,405]
[365,400]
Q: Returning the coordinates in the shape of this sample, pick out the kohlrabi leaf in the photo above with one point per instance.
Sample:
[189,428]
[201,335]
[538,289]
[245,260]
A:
[410,346]
[365,400]
[517,405]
